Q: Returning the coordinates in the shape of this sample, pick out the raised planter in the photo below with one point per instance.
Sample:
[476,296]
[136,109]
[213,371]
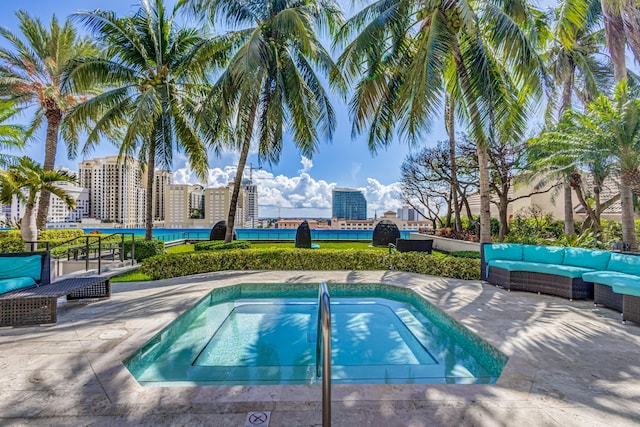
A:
[447,245]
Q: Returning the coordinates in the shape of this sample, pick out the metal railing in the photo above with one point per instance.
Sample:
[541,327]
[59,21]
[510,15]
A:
[323,342]
[91,247]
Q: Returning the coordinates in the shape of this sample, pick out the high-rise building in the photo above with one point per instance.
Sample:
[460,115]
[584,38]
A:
[116,191]
[348,203]
[59,212]
[161,178]
[192,206]
[251,208]
[407,213]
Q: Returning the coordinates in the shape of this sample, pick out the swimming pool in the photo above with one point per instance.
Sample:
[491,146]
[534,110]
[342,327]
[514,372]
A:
[254,334]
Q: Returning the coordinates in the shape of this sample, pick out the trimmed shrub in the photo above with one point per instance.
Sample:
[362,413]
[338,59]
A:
[144,248]
[11,244]
[466,254]
[175,265]
[61,235]
[217,245]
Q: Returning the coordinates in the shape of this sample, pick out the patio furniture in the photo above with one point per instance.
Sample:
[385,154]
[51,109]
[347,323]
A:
[407,245]
[36,306]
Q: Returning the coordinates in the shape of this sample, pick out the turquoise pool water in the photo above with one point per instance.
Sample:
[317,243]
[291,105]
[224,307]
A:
[266,334]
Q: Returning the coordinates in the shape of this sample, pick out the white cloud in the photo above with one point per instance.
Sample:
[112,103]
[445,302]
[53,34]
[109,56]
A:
[298,196]
[307,164]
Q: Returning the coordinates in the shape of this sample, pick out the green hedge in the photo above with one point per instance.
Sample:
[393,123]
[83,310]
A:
[145,248]
[220,245]
[176,265]
[11,244]
[65,234]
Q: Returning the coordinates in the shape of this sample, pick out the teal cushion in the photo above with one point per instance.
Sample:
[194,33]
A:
[543,254]
[22,266]
[8,285]
[586,258]
[627,288]
[506,251]
[629,264]
[608,277]
[539,267]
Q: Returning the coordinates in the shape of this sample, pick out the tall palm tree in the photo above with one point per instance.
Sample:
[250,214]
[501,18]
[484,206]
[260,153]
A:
[271,81]
[411,51]
[25,180]
[576,39]
[31,74]
[11,135]
[154,72]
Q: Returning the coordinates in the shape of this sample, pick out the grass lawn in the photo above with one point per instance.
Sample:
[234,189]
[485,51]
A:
[136,276]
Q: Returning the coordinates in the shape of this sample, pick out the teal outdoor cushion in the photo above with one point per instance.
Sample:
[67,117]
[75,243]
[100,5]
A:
[629,264]
[609,277]
[505,251]
[8,285]
[543,254]
[539,267]
[586,258]
[22,266]
[627,288]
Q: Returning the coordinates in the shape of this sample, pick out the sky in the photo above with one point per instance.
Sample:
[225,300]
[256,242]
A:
[296,186]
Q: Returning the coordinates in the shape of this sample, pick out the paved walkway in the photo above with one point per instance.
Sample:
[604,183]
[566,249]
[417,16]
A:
[571,364]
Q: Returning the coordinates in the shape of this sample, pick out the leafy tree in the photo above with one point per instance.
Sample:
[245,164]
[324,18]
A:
[407,54]
[271,80]
[154,72]
[11,135]
[32,71]
[574,41]
[25,180]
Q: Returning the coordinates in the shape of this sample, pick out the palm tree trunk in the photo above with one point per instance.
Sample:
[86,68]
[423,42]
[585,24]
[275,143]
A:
[237,181]
[54,117]
[569,224]
[481,146]
[151,165]
[631,20]
[28,228]
[628,223]
[615,35]
[452,162]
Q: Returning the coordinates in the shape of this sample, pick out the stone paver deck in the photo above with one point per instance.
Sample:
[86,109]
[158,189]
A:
[571,364]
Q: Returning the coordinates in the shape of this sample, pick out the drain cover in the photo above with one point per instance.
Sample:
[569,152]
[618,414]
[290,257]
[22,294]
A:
[257,418]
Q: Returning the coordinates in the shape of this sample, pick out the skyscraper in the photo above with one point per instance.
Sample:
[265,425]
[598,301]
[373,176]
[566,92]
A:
[251,210]
[161,178]
[348,203]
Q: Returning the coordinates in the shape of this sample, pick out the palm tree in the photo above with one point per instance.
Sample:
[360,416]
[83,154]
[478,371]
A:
[31,74]
[412,51]
[154,73]
[607,137]
[270,81]
[11,135]
[570,56]
[25,180]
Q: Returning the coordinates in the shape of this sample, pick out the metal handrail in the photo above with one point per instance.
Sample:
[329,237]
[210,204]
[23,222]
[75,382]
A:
[323,341]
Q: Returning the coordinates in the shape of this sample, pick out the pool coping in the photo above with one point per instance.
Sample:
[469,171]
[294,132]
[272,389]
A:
[537,333]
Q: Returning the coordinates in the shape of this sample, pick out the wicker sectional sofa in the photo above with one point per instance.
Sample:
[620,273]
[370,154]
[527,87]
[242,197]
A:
[611,279]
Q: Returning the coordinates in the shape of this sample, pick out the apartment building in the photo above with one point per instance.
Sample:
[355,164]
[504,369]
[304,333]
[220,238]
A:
[251,208]
[191,206]
[116,190]
[161,179]
[59,212]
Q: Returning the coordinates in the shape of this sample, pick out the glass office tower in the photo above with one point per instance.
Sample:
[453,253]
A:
[348,203]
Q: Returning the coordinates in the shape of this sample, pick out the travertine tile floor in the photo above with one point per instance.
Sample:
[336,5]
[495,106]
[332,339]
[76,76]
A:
[571,364]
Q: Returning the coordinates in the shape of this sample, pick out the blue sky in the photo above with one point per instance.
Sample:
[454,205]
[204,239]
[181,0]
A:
[295,187]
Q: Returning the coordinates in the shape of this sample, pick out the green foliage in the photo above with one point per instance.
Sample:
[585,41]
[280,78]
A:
[144,248]
[466,254]
[11,244]
[175,265]
[9,234]
[533,230]
[220,245]
[180,249]
[65,234]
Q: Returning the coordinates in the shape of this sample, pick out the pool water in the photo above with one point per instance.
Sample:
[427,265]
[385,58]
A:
[266,334]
